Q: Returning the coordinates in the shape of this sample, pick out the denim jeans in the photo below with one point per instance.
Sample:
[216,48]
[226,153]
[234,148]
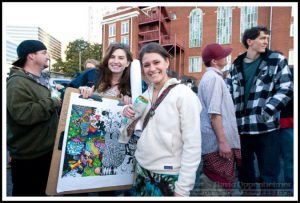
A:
[287,150]
[266,147]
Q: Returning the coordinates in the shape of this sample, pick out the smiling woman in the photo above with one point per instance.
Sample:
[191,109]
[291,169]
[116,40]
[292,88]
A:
[164,167]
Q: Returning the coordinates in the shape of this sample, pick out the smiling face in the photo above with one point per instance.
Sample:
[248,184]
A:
[155,68]
[118,61]
[260,43]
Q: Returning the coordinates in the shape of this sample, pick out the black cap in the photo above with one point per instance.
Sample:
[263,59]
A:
[27,47]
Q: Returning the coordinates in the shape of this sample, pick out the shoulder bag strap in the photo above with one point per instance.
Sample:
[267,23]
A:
[158,101]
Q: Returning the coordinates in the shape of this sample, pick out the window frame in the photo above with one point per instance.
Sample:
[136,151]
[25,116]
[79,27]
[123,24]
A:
[112,30]
[124,29]
[224,25]
[195,28]
[193,63]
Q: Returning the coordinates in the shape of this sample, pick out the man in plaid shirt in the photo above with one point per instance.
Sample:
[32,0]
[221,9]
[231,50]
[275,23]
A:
[260,83]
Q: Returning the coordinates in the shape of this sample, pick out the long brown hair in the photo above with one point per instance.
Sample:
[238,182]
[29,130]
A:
[106,75]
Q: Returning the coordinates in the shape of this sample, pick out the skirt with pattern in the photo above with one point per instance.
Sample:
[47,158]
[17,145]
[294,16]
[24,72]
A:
[148,183]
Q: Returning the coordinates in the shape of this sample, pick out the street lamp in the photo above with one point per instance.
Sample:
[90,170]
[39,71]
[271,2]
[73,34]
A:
[81,46]
[79,60]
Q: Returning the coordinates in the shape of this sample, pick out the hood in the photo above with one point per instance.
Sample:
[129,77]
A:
[16,71]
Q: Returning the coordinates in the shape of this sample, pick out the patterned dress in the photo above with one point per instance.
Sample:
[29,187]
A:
[148,183]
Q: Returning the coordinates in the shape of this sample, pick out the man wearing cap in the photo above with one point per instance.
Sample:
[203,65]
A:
[31,120]
[261,85]
[221,143]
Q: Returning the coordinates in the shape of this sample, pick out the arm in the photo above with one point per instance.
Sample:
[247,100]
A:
[81,80]
[283,90]
[189,108]
[229,80]
[25,107]
[224,148]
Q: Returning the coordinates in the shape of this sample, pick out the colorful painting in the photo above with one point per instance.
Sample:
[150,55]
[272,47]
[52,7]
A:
[92,157]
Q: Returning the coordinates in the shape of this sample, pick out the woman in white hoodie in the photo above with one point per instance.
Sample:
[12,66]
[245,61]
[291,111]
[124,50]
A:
[169,148]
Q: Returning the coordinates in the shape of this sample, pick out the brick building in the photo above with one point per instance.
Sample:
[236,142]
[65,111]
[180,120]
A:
[184,31]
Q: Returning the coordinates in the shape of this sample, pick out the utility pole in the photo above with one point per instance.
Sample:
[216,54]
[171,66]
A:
[79,60]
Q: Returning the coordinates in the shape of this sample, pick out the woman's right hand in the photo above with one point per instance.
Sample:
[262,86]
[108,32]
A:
[86,92]
[128,111]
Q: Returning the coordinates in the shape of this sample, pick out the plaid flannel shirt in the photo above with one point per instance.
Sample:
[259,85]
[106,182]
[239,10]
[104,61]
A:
[271,90]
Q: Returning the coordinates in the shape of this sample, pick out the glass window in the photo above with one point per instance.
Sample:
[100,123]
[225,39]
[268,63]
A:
[224,25]
[195,64]
[111,40]
[112,30]
[125,27]
[249,17]
[226,68]
[292,30]
[195,29]
[125,39]
[291,57]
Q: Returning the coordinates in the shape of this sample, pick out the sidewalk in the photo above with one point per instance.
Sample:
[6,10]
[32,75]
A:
[236,192]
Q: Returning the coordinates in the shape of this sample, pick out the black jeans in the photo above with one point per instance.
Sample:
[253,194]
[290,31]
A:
[30,176]
[267,150]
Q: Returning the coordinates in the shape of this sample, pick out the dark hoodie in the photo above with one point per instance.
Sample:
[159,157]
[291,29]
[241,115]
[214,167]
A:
[31,117]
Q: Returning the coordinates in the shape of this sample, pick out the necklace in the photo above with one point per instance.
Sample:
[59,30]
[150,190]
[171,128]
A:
[152,112]
[153,101]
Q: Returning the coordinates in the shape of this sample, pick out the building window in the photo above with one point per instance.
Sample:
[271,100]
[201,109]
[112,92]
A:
[224,25]
[292,30]
[196,28]
[291,57]
[249,17]
[112,30]
[111,40]
[125,39]
[292,23]
[195,64]
[125,27]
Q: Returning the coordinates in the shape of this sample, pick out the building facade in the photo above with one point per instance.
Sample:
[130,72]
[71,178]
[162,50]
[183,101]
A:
[185,31]
[19,33]
[94,25]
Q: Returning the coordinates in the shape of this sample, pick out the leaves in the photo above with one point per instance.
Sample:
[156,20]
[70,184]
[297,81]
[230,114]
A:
[77,51]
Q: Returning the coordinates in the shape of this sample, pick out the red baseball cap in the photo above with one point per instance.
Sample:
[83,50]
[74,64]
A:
[214,51]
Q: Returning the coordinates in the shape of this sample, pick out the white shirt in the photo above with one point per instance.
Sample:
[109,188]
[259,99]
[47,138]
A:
[171,142]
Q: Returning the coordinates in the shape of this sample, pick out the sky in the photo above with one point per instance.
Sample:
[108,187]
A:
[64,21]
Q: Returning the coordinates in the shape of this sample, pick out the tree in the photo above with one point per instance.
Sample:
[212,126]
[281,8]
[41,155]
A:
[74,50]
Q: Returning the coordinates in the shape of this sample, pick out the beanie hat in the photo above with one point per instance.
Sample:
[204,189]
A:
[27,47]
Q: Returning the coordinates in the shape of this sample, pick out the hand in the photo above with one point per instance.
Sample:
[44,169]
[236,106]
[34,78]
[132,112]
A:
[129,111]
[59,86]
[127,99]
[86,91]
[225,151]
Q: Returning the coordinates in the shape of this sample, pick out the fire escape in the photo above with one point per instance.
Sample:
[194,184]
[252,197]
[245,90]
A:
[155,27]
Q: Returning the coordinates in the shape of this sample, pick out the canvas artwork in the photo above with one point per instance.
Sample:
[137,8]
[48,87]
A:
[92,157]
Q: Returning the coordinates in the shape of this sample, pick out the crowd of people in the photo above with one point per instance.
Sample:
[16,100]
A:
[223,126]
